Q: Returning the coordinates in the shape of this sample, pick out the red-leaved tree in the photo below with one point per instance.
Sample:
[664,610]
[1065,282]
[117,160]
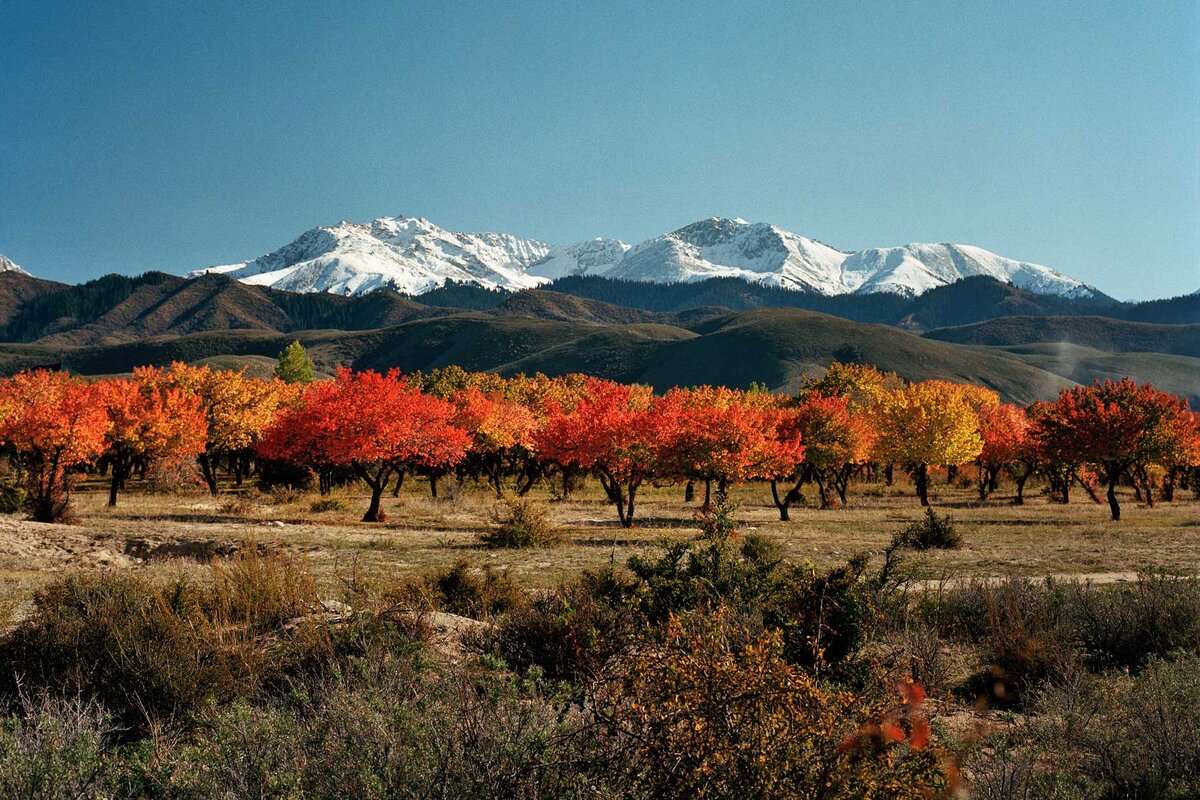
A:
[612,432]
[1115,427]
[375,424]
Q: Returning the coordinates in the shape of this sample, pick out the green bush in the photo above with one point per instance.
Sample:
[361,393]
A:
[521,523]
[933,532]
[12,498]
[55,748]
[327,504]
[571,632]
[480,593]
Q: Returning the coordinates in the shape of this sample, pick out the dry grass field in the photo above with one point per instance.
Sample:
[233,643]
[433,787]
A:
[167,533]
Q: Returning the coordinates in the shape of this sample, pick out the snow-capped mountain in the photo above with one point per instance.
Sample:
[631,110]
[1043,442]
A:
[593,257]
[768,254]
[413,255]
[8,265]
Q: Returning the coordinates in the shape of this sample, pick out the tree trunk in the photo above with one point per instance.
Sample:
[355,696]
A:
[209,472]
[1113,505]
[779,504]
[377,483]
[707,493]
[399,483]
[921,475]
[433,482]
[118,472]
[889,475]
[1020,498]
[951,474]
[689,491]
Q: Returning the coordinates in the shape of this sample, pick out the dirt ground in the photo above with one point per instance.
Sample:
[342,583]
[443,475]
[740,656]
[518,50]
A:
[172,532]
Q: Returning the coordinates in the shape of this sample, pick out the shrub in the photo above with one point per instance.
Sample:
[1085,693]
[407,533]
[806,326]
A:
[237,505]
[1024,644]
[480,593]
[1123,626]
[12,498]
[327,504]
[521,523]
[934,531]
[702,716]
[154,653]
[54,748]
[568,633]
[1129,736]
[175,476]
[395,728]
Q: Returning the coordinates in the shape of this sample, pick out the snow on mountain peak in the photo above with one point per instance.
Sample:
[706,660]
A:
[8,265]
[413,255]
[409,254]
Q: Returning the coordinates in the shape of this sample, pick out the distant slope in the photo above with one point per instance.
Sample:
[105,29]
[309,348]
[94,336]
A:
[775,346]
[119,308]
[1176,374]
[17,289]
[1097,333]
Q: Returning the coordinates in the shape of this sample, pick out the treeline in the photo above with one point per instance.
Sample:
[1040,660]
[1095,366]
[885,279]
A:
[853,423]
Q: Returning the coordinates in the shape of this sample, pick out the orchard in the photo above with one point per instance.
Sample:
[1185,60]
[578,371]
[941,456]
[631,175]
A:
[853,425]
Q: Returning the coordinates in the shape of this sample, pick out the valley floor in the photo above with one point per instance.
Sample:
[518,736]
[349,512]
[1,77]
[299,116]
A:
[168,533]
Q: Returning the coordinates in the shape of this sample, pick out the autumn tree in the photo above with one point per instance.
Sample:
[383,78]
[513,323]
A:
[55,424]
[836,442]
[932,422]
[375,424]
[501,432]
[1007,446]
[1115,427]
[148,420]
[237,408]
[722,435]
[612,432]
[294,365]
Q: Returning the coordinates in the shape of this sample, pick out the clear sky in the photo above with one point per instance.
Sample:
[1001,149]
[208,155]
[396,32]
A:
[170,135]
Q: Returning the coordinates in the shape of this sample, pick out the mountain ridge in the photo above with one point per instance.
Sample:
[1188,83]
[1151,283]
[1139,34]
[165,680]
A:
[414,256]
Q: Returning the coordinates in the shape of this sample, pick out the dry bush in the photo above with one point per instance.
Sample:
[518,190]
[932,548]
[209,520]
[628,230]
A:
[521,523]
[238,505]
[480,593]
[1123,626]
[702,716]
[175,476]
[162,653]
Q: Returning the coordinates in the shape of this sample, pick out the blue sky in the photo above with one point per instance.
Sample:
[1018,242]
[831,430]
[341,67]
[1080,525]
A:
[172,135]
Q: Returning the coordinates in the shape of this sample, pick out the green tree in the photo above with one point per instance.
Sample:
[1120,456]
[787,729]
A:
[294,365]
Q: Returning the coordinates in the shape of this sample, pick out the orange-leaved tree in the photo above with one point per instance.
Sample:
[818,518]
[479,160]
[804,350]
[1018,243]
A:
[148,420]
[501,433]
[724,435]
[1007,445]
[613,432]
[55,424]
[375,424]
[931,422]
[837,441]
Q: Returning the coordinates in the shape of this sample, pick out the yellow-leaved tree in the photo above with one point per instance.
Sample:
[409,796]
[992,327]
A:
[238,409]
[931,422]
